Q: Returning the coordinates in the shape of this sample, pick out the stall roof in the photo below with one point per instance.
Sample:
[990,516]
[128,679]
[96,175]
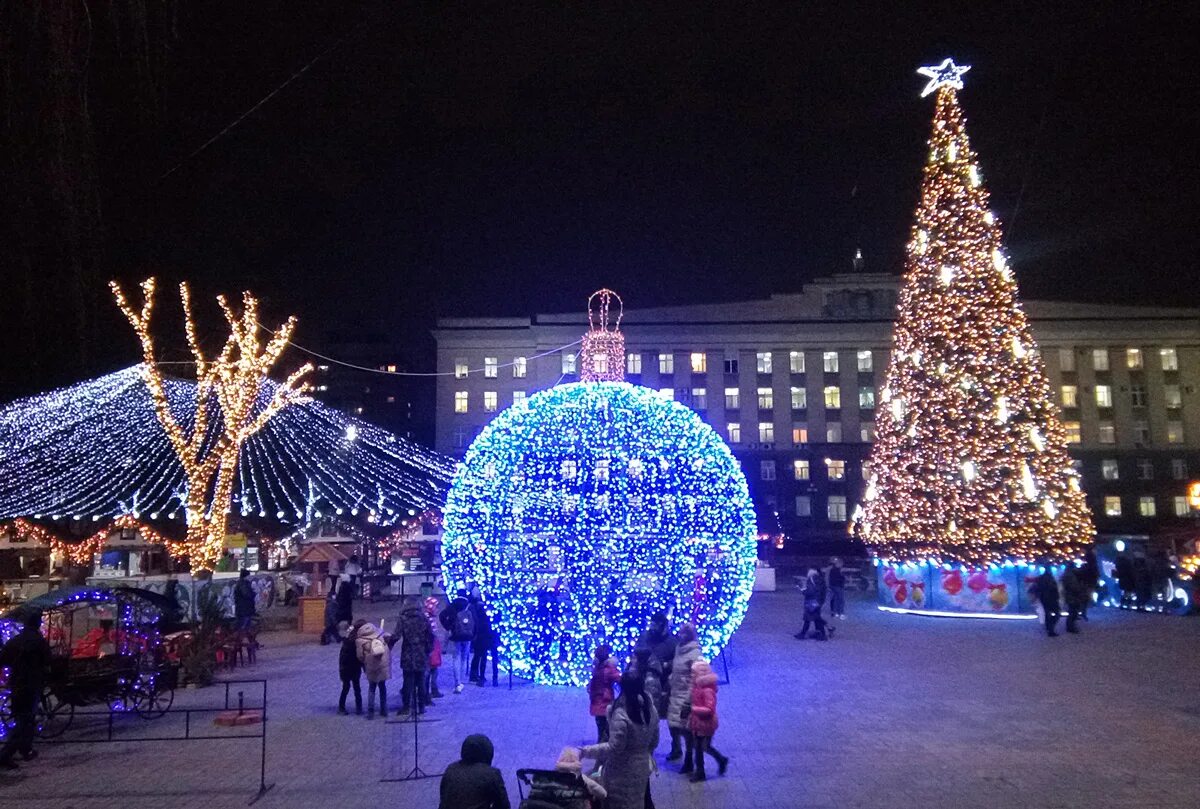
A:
[79,593]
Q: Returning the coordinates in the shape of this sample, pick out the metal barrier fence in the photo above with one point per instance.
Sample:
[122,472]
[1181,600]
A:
[240,718]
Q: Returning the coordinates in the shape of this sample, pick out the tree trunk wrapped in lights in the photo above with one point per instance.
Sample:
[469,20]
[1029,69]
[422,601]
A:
[235,378]
[970,462]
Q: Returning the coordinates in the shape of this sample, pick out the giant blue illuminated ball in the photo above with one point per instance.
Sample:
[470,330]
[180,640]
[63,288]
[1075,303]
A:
[585,509]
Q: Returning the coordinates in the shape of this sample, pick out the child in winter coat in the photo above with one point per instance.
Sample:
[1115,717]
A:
[440,638]
[600,689]
[702,721]
[687,652]
[350,669]
[375,654]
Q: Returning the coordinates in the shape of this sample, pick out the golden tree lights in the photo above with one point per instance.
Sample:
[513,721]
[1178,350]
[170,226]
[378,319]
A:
[970,462]
[235,379]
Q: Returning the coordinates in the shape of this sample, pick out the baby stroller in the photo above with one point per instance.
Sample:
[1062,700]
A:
[553,789]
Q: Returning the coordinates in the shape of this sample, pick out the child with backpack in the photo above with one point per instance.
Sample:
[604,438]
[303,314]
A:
[600,689]
[459,622]
[375,654]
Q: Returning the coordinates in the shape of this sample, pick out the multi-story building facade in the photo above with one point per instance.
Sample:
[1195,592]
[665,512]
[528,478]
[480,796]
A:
[792,384]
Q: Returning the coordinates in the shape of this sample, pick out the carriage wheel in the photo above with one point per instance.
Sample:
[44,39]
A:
[54,715]
[151,700]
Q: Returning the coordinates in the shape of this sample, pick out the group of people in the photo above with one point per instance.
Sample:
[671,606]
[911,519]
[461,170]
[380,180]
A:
[1077,584]
[817,587]
[1142,579]
[460,635]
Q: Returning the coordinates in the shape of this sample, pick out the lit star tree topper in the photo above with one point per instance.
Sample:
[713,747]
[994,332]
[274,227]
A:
[233,379]
[970,463]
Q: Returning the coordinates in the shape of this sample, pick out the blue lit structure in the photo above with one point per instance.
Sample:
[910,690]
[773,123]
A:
[586,508]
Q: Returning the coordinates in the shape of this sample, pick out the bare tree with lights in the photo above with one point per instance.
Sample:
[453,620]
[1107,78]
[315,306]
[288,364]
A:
[970,463]
[236,379]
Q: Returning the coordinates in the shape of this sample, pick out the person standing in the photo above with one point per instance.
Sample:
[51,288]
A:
[1091,578]
[350,669]
[1075,593]
[355,571]
[27,657]
[375,654]
[687,652]
[459,621]
[600,689]
[659,639]
[416,643]
[345,600]
[440,640]
[1045,590]
[472,782]
[1126,580]
[837,589]
[814,599]
[483,643]
[627,755]
[702,721]
[243,601]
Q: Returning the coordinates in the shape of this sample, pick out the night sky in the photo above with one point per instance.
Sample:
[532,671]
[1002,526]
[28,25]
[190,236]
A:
[454,163]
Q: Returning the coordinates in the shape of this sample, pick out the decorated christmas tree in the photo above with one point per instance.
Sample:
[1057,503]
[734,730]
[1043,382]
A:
[970,463]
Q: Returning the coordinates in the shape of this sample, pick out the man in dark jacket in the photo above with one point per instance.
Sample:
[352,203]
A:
[837,589]
[1126,581]
[814,599]
[459,622]
[243,600]
[350,669]
[1045,590]
[1075,593]
[483,644]
[26,656]
[472,782]
[661,642]
[416,638]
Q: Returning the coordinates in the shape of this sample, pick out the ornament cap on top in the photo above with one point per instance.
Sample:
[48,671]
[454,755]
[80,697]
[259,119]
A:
[947,74]
[603,351]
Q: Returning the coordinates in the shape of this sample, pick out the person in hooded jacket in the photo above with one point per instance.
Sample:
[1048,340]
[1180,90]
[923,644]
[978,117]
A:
[814,600]
[472,782]
[600,689]
[687,652]
[375,654]
[350,669]
[628,754]
[702,721]
[440,639]
[1126,581]
[1045,590]
[459,622]
[1075,593]
[243,601]
[416,643]
[345,600]
[27,658]
[483,644]
[661,642]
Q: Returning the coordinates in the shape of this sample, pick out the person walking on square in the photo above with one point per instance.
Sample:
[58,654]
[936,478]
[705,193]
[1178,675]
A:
[350,669]
[243,601]
[472,782]
[702,721]
[330,634]
[1091,579]
[1126,581]
[459,621]
[375,653]
[1075,593]
[814,599]
[627,756]
[345,599]
[1045,590]
[27,657]
[687,652]
[837,589]
[416,640]
[600,689]
[440,639]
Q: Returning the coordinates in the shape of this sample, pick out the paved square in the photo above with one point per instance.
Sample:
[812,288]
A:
[898,712]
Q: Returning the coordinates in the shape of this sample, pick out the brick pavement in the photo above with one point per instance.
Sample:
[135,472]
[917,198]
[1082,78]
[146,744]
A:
[898,712]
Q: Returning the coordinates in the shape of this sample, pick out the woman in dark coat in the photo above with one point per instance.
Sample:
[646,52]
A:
[350,669]
[345,601]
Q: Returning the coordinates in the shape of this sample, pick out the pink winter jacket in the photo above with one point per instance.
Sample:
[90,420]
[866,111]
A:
[703,719]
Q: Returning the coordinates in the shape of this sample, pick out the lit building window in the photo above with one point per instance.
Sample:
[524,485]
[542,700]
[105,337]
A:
[799,434]
[1173,397]
[800,469]
[460,368]
[666,363]
[1146,506]
[831,362]
[1170,359]
[491,367]
[1112,506]
[699,362]
[1066,359]
[865,362]
[1133,358]
[1141,433]
[1178,468]
[519,397]
[866,398]
[734,431]
[732,399]
[599,364]
[1100,359]
[489,401]
[836,508]
[767,469]
[460,401]
[391,400]
[866,470]
[520,367]
[1106,433]
[762,361]
[391,369]
[833,432]
[796,362]
[766,399]
[699,398]
[1181,505]
[1109,469]
[1070,396]
[1174,432]
[766,432]
[568,362]
[1145,468]
[835,469]
[633,363]
[833,397]
[799,399]
[866,432]
[803,506]
[1072,432]
[1104,396]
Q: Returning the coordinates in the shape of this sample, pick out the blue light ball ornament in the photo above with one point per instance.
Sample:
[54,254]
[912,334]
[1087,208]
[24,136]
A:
[588,507]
